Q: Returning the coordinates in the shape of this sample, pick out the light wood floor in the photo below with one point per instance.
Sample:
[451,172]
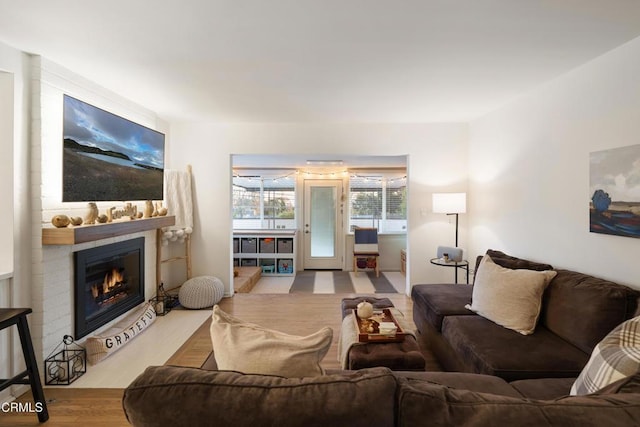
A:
[298,314]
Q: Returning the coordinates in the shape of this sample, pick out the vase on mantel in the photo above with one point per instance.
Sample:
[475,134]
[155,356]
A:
[148,209]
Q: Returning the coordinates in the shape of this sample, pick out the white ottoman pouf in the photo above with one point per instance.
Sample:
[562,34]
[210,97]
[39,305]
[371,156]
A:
[201,292]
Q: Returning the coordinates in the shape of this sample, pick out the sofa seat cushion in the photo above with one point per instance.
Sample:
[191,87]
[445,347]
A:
[422,403]
[490,349]
[572,297]
[437,301]
[179,396]
[543,388]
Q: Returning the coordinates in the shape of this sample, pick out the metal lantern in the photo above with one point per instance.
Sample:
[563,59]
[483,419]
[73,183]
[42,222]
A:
[163,302]
[64,366]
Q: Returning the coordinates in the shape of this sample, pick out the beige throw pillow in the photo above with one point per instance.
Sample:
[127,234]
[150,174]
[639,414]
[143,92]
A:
[510,298]
[253,349]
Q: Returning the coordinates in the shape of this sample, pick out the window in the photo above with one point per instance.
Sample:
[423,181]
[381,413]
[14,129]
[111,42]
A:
[378,200]
[264,202]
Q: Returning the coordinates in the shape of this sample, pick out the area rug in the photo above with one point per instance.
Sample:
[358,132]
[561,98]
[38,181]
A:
[337,282]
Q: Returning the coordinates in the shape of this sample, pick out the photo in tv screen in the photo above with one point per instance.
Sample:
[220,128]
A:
[109,158]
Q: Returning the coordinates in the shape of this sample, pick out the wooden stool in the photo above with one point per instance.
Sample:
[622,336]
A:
[18,317]
[364,257]
[365,249]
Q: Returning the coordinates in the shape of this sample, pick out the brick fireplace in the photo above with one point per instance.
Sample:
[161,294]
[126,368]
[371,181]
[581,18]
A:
[53,288]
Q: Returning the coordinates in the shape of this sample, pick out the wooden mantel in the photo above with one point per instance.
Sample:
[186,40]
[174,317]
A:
[89,233]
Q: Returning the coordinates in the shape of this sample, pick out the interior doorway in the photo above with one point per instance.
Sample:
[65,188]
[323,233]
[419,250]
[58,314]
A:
[273,195]
[322,234]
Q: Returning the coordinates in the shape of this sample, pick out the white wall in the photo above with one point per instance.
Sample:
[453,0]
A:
[437,162]
[6,170]
[15,291]
[529,168]
[6,219]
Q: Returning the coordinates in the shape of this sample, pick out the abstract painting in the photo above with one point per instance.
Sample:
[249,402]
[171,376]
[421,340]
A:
[614,189]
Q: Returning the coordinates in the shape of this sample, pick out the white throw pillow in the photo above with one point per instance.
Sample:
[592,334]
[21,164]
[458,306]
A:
[253,349]
[510,298]
[617,356]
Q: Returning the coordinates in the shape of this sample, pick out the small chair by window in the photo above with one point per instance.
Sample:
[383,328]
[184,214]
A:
[365,249]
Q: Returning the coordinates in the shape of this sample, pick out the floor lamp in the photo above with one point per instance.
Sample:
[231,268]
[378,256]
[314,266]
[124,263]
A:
[450,204]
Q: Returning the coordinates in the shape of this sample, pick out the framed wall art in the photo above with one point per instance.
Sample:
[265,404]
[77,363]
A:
[614,185]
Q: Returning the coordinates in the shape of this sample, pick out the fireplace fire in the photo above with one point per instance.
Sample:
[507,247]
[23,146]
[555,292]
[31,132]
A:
[111,289]
[109,281]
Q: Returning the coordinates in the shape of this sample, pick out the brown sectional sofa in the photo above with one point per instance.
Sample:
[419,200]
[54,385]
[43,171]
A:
[578,311]
[179,396]
[531,376]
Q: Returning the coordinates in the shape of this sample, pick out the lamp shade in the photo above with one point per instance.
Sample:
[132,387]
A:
[450,203]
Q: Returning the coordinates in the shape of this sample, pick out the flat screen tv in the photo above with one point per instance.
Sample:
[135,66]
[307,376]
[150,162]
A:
[109,158]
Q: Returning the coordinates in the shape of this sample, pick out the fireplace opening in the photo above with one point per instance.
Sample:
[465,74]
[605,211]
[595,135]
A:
[109,281]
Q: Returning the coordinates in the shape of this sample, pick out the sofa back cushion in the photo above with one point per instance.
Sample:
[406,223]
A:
[422,403]
[583,309]
[630,384]
[178,396]
[514,263]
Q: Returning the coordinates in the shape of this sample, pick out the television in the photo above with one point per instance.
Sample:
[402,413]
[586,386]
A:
[109,158]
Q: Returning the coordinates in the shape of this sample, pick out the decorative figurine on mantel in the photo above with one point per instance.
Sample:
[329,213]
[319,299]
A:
[160,211]
[92,215]
[110,214]
[148,209]
[60,221]
[129,211]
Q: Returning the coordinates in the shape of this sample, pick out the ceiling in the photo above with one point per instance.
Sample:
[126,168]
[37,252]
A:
[319,60]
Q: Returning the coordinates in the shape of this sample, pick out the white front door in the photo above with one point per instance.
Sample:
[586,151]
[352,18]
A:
[322,229]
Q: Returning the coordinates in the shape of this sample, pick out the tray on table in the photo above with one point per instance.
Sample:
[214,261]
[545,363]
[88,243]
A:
[367,334]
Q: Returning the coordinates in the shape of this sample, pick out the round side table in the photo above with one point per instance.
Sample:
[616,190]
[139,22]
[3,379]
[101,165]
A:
[464,265]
